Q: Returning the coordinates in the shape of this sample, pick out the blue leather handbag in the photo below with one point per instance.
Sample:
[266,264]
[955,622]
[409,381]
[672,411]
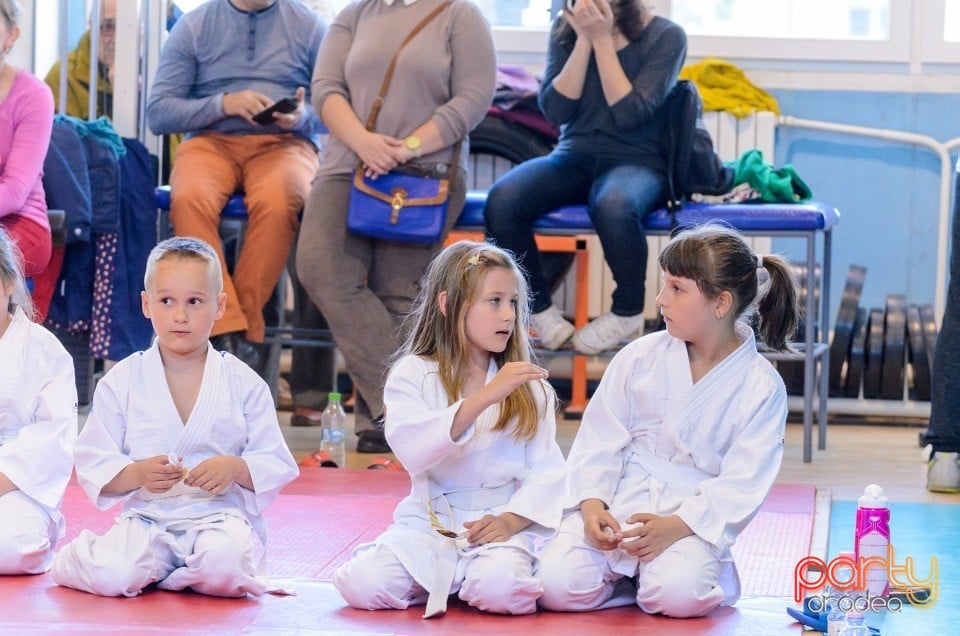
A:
[398,207]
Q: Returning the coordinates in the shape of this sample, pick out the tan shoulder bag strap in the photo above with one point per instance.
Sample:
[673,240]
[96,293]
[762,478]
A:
[378,102]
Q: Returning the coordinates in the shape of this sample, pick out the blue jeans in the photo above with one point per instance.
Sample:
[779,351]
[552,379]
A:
[944,429]
[619,195]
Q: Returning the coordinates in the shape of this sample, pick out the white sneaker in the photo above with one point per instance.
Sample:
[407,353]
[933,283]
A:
[943,473]
[605,332]
[551,327]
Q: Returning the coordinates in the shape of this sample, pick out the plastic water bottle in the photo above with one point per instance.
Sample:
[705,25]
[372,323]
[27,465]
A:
[332,422]
[836,619]
[855,626]
[872,538]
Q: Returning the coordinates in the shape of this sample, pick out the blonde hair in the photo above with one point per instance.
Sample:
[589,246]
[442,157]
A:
[719,260]
[184,247]
[459,271]
[11,273]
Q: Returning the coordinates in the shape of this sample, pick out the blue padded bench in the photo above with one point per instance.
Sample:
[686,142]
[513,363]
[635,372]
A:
[798,220]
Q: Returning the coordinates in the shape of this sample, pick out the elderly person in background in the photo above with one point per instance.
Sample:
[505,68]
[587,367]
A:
[78,69]
[441,88]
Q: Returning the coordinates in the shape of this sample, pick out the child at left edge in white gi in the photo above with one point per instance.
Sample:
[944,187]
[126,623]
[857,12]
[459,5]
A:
[38,425]
[472,419]
[187,438]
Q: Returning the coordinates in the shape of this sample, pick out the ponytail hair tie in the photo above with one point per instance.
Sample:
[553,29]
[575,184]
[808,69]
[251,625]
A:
[759,261]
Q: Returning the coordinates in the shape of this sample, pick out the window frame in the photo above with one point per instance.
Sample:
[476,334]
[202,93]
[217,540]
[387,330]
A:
[936,49]
[518,43]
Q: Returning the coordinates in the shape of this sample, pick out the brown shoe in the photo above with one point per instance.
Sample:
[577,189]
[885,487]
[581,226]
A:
[305,416]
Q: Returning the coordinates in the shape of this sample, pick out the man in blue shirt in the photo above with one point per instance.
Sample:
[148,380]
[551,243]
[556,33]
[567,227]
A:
[224,63]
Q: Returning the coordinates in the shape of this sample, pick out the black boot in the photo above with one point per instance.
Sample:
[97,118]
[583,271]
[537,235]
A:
[236,343]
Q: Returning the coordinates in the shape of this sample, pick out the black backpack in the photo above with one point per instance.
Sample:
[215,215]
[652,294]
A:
[692,163]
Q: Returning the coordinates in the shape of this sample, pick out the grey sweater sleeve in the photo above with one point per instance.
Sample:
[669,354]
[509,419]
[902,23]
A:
[473,76]
[169,107]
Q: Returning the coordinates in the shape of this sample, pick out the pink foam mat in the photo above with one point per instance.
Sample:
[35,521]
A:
[313,527]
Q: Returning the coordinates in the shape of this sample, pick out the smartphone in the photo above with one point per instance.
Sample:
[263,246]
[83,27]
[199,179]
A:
[285,105]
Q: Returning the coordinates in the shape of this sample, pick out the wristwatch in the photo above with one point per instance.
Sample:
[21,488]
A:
[413,144]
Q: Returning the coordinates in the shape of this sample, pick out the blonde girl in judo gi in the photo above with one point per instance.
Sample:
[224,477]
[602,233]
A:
[187,439]
[680,443]
[472,419]
[38,425]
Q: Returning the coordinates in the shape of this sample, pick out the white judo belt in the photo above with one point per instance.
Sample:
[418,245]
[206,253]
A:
[684,475]
[470,499]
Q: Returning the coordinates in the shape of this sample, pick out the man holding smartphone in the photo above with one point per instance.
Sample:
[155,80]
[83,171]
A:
[224,64]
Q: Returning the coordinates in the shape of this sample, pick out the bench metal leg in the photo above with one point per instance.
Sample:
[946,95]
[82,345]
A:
[824,329]
[578,381]
[809,357]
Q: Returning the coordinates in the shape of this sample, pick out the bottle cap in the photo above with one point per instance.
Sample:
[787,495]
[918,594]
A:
[334,396]
[873,497]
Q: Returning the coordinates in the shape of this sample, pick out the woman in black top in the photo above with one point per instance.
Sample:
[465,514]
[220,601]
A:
[610,66]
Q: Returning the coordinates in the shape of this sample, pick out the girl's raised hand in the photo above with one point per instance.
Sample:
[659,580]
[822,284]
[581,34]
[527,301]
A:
[512,375]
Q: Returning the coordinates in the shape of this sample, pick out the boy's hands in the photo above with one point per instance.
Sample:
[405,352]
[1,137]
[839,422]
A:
[494,528]
[599,526]
[655,534]
[158,475]
[215,474]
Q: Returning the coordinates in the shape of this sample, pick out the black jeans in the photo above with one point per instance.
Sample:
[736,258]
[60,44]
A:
[944,429]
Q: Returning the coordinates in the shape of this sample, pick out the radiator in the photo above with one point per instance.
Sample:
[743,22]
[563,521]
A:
[731,137]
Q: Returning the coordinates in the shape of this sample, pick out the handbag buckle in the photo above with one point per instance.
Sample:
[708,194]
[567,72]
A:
[399,198]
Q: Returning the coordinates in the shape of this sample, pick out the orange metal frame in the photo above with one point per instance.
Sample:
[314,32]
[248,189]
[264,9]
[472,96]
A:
[577,245]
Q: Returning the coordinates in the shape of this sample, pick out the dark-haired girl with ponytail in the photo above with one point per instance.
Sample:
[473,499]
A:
[681,442]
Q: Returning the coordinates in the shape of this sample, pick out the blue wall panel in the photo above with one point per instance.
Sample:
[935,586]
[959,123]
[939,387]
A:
[887,191]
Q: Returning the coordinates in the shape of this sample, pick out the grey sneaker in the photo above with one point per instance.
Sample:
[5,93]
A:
[551,327]
[605,332]
[943,473]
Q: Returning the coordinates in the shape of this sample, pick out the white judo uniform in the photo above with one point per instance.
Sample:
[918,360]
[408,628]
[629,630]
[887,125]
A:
[481,472]
[185,537]
[652,441]
[38,426]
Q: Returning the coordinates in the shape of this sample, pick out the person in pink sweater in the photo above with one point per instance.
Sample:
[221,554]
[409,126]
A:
[26,120]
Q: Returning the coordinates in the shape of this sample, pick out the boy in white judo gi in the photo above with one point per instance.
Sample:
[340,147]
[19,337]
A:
[680,443]
[38,425]
[472,419]
[187,438]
